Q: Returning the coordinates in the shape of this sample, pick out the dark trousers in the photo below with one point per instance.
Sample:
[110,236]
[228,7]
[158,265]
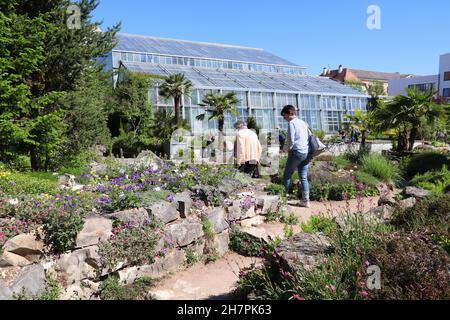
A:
[251,168]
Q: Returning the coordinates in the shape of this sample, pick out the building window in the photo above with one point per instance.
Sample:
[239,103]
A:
[447,76]
[446,92]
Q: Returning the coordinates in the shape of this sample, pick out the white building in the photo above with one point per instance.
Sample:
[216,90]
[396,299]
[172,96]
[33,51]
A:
[439,82]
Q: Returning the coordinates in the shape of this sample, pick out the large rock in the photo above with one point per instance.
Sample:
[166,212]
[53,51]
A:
[25,245]
[134,217]
[209,194]
[8,259]
[303,249]
[172,261]
[222,242]
[31,281]
[5,293]
[229,185]
[257,233]
[253,222]
[325,172]
[185,232]
[267,203]
[235,211]
[164,211]
[387,199]
[184,202]
[383,212]
[217,219]
[417,193]
[407,203]
[80,264]
[95,230]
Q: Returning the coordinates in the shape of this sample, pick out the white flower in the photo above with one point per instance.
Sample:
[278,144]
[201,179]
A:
[351,171]
[157,189]
[13,202]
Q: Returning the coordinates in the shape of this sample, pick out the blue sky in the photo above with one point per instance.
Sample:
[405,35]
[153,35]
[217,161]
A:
[309,33]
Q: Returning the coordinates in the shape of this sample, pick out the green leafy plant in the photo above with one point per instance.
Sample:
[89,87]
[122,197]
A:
[274,189]
[245,244]
[379,167]
[319,224]
[191,257]
[61,229]
[111,289]
[291,219]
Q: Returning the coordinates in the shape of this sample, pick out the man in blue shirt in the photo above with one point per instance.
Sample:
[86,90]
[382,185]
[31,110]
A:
[298,158]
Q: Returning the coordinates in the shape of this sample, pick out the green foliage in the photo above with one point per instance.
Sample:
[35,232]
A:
[218,106]
[61,230]
[366,178]
[320,224]
[320,134]
[191,257]
[52,291]
[338,192]
[134,245]
[32,183]
[274,216]
[290,219]
[288,231]
[207,228]
[423,162]
[252,124]
[341,162]
[118,200]
[41,60]
[435,181]
[245,244]
[274,189]
[379,167]
[111,289]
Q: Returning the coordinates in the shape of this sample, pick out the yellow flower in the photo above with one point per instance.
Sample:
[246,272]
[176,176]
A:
[106,177]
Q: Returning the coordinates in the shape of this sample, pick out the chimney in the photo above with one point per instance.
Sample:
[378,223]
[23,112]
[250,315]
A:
[341,68]
[325,71]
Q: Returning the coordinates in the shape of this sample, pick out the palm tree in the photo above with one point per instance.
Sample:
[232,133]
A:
[360,121]
[405,114]
[175,86]
[218,105]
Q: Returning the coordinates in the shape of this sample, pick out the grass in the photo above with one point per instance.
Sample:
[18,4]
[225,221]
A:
[341,162]
[380,168]
[32,183]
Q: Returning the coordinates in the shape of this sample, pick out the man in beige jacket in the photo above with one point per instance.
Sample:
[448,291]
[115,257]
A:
[248,150]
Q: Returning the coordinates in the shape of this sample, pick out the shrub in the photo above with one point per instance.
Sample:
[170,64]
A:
[339,192]
[245,244]
[118,200]
[422,162]
[320,134]
[134,245]
[61,230]
[290,219]
[111,289]
[191,257]
[273,216]
[435,181]
[413,268]
[379,167]
[319,224]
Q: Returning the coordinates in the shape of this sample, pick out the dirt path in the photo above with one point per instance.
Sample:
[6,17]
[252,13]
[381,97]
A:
[217,280]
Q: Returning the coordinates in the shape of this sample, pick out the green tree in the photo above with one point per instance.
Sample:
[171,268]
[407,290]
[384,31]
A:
[217,105]
[406,114]
[360,121]
[175,86]
[41,60]
[375,90]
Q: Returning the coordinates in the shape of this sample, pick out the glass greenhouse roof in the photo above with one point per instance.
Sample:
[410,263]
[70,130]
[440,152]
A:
[146,44]
[245,80]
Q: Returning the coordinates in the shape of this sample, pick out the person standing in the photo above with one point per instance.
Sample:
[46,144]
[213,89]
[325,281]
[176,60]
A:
[298,156]
[248,150]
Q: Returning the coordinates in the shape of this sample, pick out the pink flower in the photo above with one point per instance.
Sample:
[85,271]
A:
[297,297]
[367,264]
[358,274]
[364,294]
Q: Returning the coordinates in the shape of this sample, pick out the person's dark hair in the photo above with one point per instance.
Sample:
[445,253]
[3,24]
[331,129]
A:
[288,110]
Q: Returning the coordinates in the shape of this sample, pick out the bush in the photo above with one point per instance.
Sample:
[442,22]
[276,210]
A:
[61,230]
[111,289]
[423,162]
[320,134]
[379,167]
[245,244]
[319,224]
[413,268]
[435,181]
[341,162]
[339,192]
[134,245]
[290,219]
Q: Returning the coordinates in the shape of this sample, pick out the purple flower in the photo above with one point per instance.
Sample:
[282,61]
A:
[247,203]
[169,198]
[128,188]
[104,200]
